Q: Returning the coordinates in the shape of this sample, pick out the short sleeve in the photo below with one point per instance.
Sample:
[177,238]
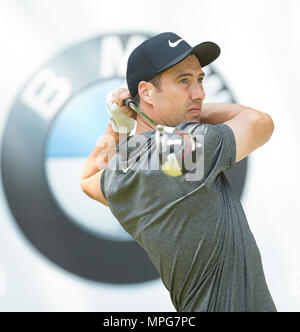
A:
[219,147]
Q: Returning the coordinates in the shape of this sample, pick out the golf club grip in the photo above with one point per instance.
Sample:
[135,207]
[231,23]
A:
[128,101]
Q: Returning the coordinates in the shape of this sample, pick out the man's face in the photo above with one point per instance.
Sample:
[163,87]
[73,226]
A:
[181,95]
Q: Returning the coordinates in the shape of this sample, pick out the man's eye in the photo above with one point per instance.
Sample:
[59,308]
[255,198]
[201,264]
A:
[200,79]
[184,81]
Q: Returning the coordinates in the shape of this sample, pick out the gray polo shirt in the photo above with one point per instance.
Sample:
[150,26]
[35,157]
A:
[195,232]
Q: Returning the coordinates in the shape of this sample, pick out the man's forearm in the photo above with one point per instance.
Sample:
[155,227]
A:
[103,152]
[216,113]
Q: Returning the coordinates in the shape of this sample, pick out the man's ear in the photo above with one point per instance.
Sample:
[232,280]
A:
[146,92]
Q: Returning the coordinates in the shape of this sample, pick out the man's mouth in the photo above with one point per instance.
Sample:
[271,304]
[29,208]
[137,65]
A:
[195,110]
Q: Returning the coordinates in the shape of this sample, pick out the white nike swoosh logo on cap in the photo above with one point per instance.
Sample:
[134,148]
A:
[175,43]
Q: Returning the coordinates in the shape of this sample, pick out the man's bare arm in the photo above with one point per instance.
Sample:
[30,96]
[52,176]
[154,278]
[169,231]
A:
[216,113]
[104,151]
[251,128]
[96,162]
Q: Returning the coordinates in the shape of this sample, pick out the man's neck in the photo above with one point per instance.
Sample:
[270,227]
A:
[142,126]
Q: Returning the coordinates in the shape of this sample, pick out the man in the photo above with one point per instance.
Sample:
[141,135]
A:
[195,232]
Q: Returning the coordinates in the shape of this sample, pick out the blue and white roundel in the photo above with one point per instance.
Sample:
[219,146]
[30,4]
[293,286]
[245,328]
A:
[53,126]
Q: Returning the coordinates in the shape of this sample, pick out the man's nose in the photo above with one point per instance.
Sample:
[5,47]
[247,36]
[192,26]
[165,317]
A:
[197,92]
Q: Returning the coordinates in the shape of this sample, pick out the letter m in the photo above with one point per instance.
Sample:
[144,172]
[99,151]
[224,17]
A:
[152,322]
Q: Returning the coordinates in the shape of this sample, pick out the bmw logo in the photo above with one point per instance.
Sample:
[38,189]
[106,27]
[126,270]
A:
[53,125]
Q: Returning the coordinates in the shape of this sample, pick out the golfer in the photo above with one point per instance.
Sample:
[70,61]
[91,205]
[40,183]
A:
[195,232]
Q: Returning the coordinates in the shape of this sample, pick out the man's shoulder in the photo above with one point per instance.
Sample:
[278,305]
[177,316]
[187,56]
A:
[191,127]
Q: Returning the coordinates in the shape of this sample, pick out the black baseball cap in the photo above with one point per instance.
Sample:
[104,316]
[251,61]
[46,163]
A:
[162,52]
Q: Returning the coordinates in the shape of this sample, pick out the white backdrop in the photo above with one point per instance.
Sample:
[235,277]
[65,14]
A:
[260,42]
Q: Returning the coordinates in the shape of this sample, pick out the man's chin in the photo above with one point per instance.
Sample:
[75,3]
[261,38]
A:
[193,118]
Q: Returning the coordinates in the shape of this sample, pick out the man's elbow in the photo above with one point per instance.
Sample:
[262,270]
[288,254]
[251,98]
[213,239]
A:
[91,188]
[268,124]
[83,187]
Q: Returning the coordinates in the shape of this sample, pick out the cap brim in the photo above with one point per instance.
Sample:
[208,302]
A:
[206,52]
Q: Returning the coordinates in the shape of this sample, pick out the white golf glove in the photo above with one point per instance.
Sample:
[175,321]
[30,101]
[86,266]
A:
[121,123]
